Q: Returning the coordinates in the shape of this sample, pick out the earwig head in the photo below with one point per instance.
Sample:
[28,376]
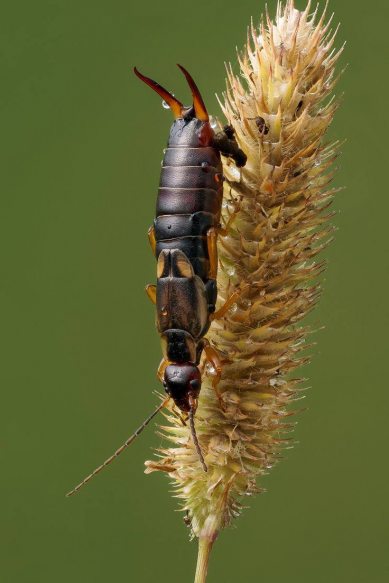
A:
[191,127]
[182,382]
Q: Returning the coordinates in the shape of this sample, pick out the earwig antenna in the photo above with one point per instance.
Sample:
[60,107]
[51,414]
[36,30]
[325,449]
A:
[195,440]
[121,448]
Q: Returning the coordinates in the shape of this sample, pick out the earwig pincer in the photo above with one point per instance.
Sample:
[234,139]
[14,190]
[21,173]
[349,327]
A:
[183,238]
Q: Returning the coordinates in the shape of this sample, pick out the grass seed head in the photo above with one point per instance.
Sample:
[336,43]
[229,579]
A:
[276,213]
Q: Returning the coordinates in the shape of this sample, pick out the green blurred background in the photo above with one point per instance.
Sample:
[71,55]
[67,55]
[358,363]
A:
[81,143]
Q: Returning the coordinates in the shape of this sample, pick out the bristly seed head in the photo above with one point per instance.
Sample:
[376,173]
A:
[276,209]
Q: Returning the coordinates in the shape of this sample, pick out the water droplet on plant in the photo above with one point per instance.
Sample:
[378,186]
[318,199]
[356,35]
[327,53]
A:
[165,105]
[213,122]
[211,369]
[235,172]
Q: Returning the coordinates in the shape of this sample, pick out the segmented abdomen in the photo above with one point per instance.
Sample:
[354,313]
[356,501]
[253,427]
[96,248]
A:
[189,203]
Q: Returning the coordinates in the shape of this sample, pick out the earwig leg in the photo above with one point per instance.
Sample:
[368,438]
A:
[227,145]
[152,239]
[226,306]
[228,303]
[151,291]
[224,230]
[212,235]
[212,357]
[212,252]
[161,369]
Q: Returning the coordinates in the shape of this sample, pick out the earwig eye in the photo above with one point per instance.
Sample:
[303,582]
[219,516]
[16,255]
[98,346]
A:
[194,383]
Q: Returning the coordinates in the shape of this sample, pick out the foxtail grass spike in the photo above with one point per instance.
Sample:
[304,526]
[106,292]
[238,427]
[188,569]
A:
[276,211]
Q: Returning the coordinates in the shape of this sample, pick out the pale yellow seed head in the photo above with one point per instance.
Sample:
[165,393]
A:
[275,209]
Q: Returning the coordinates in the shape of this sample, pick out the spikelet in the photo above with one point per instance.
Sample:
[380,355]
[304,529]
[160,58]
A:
[276,213]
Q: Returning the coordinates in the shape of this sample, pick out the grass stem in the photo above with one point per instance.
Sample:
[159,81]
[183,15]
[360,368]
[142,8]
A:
[204,550]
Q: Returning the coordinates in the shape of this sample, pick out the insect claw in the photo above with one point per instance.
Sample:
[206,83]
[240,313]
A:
[198,103]
[175,105]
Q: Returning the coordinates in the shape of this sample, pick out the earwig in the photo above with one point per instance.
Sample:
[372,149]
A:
[183,238]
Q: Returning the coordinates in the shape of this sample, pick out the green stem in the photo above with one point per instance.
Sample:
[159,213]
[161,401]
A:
[205,546]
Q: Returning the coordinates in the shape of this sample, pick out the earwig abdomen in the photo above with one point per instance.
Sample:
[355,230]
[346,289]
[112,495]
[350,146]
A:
[175,156]
[183,225]
[188,200]
[185,176]
[190,194]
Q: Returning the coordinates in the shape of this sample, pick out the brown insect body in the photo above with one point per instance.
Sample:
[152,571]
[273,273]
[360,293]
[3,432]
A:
[183,238]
